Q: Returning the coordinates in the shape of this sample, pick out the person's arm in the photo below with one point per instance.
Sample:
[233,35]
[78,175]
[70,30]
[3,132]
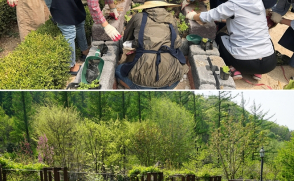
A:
[130,28]
[98,18]
[222,12]
[281,7]
[96,12]
[286,22]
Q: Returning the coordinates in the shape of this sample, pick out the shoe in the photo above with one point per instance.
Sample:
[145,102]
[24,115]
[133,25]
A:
[235,74]
[257,76]
[75,73]
[83,58]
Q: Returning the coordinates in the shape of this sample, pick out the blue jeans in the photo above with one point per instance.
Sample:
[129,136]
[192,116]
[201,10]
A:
[135,86]
[48,3]
[71,32]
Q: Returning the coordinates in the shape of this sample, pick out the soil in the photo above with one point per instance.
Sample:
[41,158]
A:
[9,42]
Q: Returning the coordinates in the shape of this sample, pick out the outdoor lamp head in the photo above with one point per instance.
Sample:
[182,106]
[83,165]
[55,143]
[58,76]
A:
[261,152]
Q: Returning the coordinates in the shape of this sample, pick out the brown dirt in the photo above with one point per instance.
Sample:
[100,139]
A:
[9,42]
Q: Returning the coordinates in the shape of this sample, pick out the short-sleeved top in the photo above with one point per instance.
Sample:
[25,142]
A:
[68,12]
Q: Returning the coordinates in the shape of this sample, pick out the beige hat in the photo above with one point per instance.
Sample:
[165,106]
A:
[155,3]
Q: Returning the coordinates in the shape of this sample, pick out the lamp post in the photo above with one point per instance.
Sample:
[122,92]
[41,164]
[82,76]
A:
[261,152]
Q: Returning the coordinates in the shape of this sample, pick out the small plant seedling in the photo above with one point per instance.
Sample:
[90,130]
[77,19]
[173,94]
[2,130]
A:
[136,5]
[197,7]
[128,13]
[172,12]
[183,27]
[182,17]
[127,18]
[226,69]
[94,84]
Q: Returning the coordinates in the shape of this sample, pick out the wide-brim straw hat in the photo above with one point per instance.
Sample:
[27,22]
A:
[155,3]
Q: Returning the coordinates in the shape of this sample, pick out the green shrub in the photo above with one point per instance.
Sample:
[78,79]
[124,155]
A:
[9,164]
[7,17]
[39,62]
[140,170]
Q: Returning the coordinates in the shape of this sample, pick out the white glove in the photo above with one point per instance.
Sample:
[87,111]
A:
[12,3]
[112,32]
[184,4]
[276,17]
[191,15]
[113,13]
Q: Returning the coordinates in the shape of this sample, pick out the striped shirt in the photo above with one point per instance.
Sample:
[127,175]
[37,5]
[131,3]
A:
[95,10]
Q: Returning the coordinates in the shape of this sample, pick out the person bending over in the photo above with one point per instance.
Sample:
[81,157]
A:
[247,48]
[158,63]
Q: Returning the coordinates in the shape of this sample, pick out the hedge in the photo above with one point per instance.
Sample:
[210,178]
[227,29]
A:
[9,164]
[41,61]
[7,17]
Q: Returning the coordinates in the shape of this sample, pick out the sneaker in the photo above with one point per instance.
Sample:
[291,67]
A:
[235,74]
[257,76]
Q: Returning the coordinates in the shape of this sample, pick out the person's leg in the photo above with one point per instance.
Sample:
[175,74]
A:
[227,57]
[69,32]
[82,40]
[257,66]
[291,63]
[125,80]
[172,86]
[48,3]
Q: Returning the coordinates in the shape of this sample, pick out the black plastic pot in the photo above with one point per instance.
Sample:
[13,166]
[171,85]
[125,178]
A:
[223,75]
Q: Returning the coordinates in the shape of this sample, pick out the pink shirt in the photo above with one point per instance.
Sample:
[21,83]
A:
[95,10]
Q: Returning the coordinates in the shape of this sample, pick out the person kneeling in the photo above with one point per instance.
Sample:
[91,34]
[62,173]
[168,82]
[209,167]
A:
[248,47]
[158,63]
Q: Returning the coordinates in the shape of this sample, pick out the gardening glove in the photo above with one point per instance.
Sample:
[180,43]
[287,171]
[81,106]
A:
[191,15]
[184,4]
[113,13]
[276,17]
[112,32]
[12,3]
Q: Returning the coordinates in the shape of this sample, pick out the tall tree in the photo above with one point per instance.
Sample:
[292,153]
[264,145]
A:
[22,107]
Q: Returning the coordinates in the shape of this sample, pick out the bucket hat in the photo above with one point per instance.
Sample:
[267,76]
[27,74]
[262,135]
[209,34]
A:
[155,3]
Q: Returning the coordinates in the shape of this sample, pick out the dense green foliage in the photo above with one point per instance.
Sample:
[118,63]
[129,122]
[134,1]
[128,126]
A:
[42,60]
[7,17]
[139,132]
[39,62]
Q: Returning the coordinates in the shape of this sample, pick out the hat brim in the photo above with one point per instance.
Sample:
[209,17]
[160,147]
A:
[152,4]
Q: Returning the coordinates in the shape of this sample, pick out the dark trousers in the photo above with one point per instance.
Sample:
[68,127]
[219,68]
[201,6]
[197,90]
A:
[255,66]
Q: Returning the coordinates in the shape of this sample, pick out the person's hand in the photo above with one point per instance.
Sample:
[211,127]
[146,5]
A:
[12,3]
[113,13]
[184,4]
[191,15]
[112,32]
[276,17]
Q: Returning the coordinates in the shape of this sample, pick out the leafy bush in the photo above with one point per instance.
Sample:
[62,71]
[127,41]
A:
[140,170]
[7,17]
[9,164]
[39,62]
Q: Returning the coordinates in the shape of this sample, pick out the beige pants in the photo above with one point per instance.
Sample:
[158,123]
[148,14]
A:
[30,15]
